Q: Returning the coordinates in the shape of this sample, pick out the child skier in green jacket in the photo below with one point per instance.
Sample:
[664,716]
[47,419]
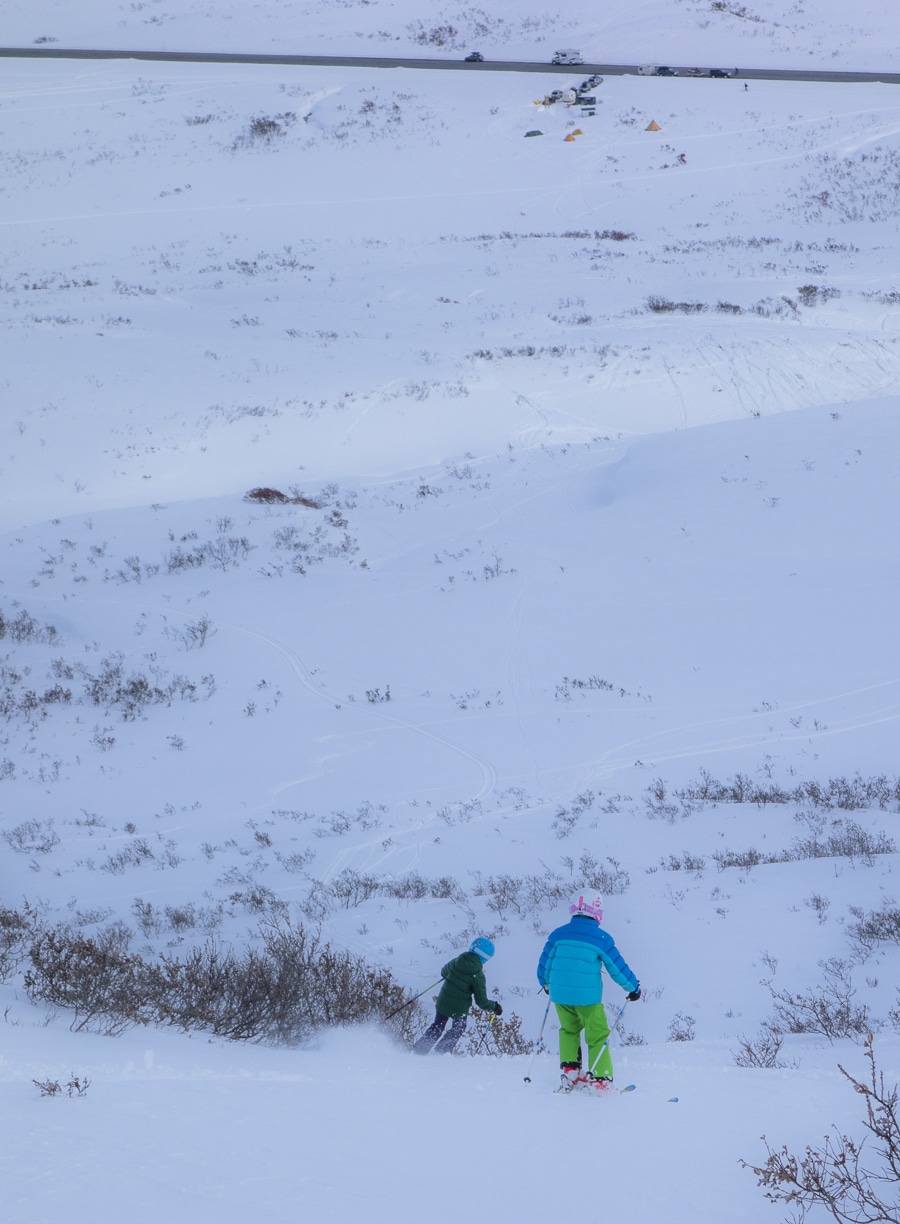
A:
[463,980]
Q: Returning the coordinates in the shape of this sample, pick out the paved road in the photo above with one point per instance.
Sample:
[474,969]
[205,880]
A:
[456,65]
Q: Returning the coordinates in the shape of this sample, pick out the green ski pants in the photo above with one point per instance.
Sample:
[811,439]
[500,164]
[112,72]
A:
[592,1020]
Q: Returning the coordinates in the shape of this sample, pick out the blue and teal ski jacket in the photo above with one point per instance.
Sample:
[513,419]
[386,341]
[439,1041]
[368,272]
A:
[572,961]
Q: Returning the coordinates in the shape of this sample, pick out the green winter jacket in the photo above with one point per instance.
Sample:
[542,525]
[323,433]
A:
[463,978]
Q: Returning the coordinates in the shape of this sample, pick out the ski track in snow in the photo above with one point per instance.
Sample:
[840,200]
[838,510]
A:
[301,671]
[620,755]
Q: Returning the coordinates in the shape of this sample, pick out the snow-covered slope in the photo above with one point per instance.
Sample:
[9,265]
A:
[585,573]
[780,33]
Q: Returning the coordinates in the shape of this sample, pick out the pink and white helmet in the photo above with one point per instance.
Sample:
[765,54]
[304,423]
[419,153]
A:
[590,909]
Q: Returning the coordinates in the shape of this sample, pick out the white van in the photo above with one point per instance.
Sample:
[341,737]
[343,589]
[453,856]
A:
[567,57]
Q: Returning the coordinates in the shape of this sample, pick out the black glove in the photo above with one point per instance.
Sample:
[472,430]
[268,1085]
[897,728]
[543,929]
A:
[498,1010]
[635,995]
[546,990]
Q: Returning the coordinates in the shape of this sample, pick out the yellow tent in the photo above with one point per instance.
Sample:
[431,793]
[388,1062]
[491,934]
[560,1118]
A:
[652,126]
[570,137]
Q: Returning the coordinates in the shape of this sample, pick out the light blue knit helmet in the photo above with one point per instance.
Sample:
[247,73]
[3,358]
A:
[482,947]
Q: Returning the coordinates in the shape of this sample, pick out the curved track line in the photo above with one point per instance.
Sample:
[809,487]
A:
[487,770]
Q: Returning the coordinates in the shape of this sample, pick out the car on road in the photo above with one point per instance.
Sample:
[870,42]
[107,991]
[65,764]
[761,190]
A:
[569,56]
[475,58]
[657,70]
[723,73]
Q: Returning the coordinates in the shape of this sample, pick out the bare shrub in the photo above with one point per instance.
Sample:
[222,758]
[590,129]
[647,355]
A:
[685,861]
[819,905]
[681,1028]
[860,187]
[194,633]
[661,305]
[828,1009]
[528,895]
[282,992]
[490,1034]
[851,1183]
[48,1087]
[763,1050]
[224,553]
[743,858]
[812,295]
[15,931]
[875,927]
[24,628]
[437,36]
[32,837]
[848,794]
[112,688]
[589,873]
[263,130]
[660,806]
[77,1086]
[136,852]
[351,887]
[567,818]
[97,977]
[847,839]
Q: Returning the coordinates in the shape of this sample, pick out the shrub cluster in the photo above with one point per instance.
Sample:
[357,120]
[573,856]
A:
[111,687]
[489,1034]
[847,794]
[282,990]
[828,1010]
[24,628]
[527,895]
[15,931]
[875,927]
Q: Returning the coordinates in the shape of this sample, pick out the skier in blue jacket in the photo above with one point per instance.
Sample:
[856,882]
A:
[570,970]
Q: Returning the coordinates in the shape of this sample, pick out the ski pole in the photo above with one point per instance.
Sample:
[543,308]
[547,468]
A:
[538,1043]
[611,1031]
[484,1034]
[385,1019]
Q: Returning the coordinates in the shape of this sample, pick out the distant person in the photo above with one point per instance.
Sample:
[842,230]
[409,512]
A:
[571,971]
[463,980]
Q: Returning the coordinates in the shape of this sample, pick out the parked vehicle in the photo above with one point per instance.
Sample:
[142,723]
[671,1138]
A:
[657,70]
[722,72]
[664,71]
[569,56]
[475,58]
